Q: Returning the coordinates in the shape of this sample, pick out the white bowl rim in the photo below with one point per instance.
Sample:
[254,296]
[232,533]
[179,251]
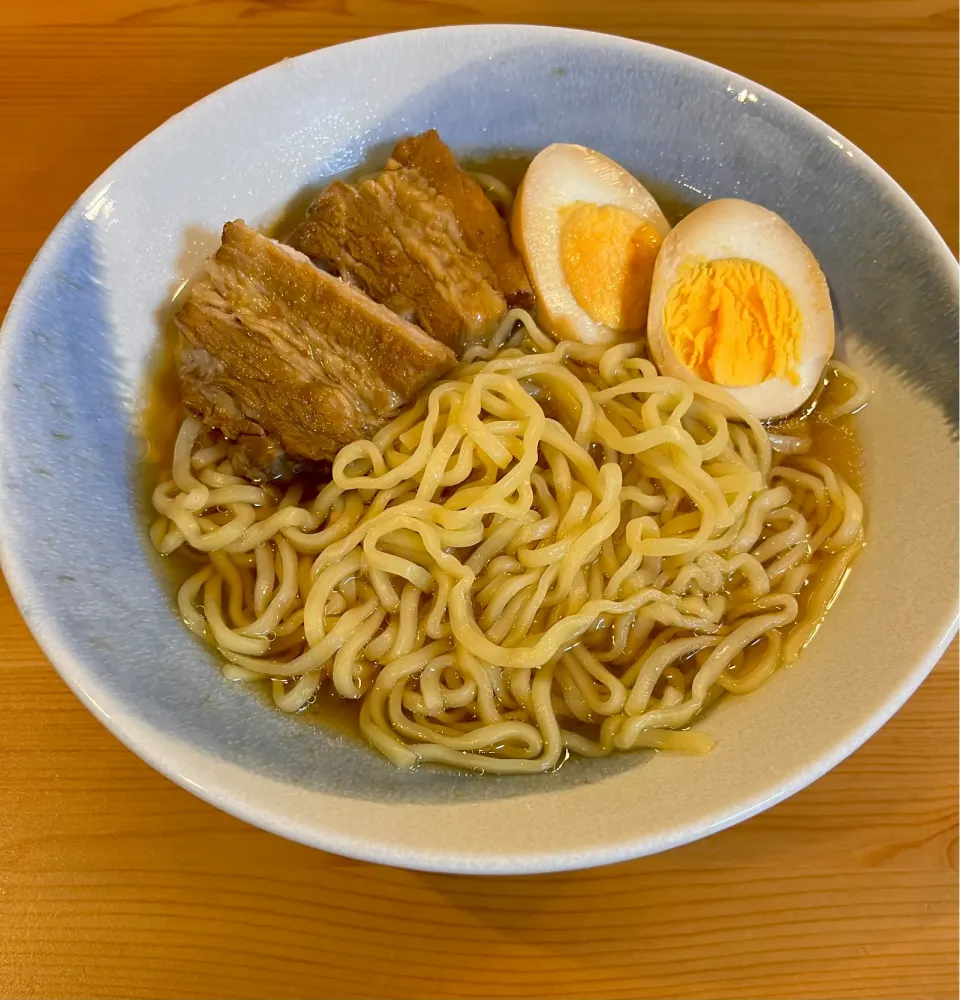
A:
[46,632]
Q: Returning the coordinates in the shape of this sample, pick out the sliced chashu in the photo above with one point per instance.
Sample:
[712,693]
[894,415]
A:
[482,227]
[271,346]
[398,240]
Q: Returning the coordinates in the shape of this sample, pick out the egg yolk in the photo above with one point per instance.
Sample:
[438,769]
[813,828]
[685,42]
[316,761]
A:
[608,254]
[733,322]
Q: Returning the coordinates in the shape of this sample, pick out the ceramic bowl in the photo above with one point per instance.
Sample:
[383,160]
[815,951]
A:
[78,337]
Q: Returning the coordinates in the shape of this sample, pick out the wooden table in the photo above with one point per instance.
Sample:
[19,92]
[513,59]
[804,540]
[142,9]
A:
[114,882]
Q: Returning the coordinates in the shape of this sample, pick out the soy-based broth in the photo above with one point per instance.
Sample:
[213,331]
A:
[834,443]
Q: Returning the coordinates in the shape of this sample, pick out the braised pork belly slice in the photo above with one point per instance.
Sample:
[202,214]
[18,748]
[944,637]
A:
[273,348]
[481,226]
[393,237]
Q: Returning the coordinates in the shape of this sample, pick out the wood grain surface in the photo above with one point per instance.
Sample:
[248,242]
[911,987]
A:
[116,883]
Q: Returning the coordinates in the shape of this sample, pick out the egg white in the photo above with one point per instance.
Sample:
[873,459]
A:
[732,228]
[559,176]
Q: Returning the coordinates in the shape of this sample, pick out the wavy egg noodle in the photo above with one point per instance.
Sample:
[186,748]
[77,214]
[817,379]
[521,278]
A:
[555,550]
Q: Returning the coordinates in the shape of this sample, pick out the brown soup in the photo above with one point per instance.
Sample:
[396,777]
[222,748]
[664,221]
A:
[833,443]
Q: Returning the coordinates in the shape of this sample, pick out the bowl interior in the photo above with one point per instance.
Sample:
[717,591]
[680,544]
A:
[78,338]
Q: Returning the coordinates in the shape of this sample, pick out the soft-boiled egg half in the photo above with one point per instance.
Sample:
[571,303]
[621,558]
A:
[589,233]
[740,301]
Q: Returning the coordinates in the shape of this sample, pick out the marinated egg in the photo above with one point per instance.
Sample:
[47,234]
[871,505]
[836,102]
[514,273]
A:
[739,300]
[589,233]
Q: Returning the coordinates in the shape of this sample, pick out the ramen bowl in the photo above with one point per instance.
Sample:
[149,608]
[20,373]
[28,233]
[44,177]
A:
[74,361]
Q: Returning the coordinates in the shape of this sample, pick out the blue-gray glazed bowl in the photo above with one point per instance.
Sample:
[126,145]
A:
[77,340]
